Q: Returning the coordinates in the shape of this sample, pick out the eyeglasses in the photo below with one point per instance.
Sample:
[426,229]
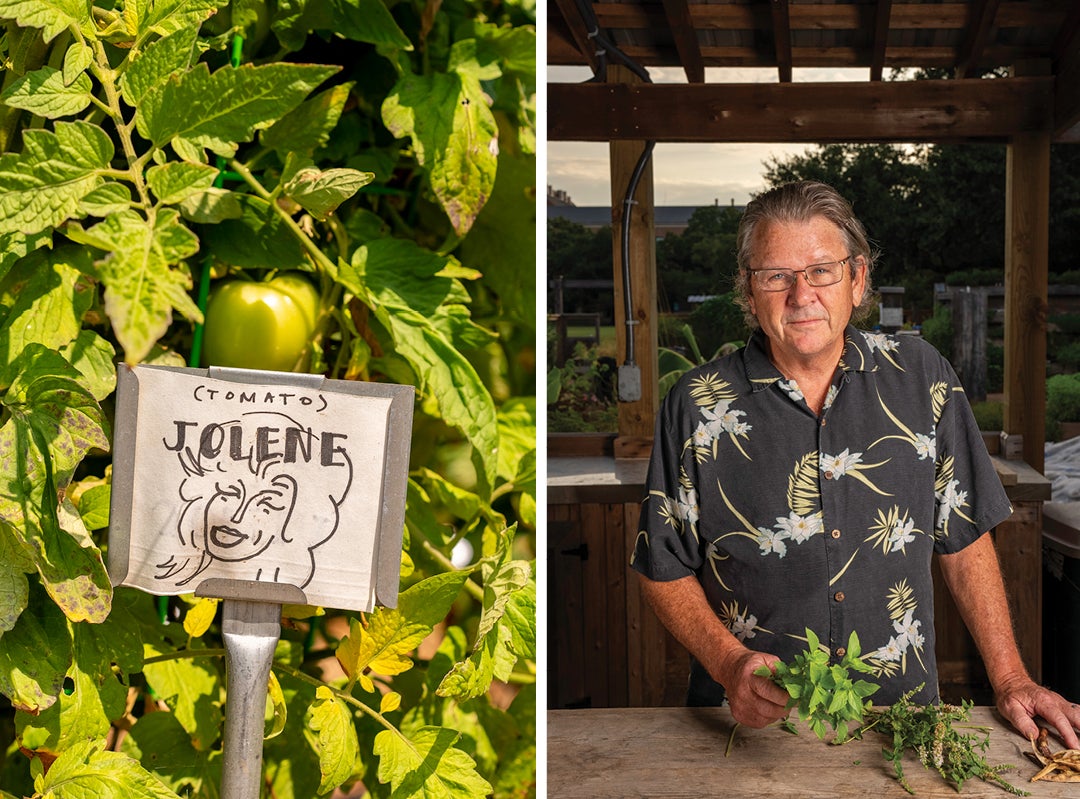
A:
[816,275]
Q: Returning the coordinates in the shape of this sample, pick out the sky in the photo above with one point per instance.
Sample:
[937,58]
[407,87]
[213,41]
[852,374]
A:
[683,174]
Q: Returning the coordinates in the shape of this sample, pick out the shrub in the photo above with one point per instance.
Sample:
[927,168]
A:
[989,415]
[938,330]
[1062,403]
[717,321]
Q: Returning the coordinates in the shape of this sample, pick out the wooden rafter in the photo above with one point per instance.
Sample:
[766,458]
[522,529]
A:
[983,15]
[942,111]
[579,32]
[686,42]
[881,38]
[781,27]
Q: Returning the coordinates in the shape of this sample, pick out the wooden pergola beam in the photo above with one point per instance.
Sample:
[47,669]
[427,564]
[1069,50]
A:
[781,28]
[984,13]
[1066,97]
[882,16]
[677,14]
[583,44]
[917,111]
[905,16]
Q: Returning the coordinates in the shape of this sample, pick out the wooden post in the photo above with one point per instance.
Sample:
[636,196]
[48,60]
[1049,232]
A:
[1027,232]
[636,418]
[969,341]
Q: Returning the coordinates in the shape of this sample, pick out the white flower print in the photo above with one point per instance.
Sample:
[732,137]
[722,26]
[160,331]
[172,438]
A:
[925,446]
[791,388]
[740,429]
[772,541]
[687,506]
[723,419]
[908,631]
[800,528]
[742,627]
[836,466]
[879,341]
[949,500]
[702,436]
[901,535]
[892,651]
[830,397]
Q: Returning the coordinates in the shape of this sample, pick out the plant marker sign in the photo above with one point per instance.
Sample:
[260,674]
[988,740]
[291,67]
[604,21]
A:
[291,486]
[259,488]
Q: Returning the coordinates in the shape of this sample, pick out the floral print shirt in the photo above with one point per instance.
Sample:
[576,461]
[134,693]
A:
[792,520]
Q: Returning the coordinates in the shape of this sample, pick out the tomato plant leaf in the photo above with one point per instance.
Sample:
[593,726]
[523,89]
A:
[16,562]
[427,764]
[228,105]
[163,746]
[31,675]
[454,136]
[52,16]
[396,279]
[164,17]
[47,299]
[93,357]
[160,59]
[339,749]
[141,287]
[255,239]
[279,709]
[200,616]
[391,634]
[109,198]
[174,182]
[307,126]
[42,186]
[78,57]
[44,92]
[192,689]
[359,20]
[320,192]
[85,770]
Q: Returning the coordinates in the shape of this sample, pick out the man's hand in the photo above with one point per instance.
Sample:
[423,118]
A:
[1023,700]
[755,701]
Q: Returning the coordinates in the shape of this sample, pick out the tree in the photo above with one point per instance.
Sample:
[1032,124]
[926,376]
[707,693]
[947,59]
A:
[700,260]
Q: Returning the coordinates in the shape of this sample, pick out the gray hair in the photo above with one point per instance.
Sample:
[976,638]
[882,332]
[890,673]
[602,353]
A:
[800,202]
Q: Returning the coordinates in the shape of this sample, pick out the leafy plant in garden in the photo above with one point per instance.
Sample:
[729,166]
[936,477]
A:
[384,154]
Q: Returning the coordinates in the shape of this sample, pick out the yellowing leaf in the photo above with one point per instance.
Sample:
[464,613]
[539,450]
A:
[279,709]
[427,765]
[386,644]
[390,702]
[339,749]
[199,618]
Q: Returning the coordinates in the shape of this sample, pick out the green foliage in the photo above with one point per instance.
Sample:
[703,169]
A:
[1062,403]
[150,151]
[938,330]
[673,363]
[824,693]
[717,321]
[581,394]
[990,416]
[933,733]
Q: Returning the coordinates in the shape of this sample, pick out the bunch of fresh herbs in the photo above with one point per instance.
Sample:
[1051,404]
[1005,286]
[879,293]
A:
[828,698]
[825,693]
[935,733]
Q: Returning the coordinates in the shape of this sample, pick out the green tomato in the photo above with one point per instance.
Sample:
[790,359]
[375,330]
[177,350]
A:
[265,325]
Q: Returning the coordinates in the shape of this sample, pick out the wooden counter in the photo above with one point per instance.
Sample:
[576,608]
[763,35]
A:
[679,752]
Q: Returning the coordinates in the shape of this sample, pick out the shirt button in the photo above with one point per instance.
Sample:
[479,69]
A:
[835,533]
[840,651]
[828,475]
[839,596]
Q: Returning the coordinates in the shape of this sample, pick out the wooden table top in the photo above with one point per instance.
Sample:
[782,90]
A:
[679,752]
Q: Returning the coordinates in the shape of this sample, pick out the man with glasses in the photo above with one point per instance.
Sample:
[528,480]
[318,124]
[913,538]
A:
[805,481]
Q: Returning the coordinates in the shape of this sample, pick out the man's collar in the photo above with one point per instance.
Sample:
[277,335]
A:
[858,356]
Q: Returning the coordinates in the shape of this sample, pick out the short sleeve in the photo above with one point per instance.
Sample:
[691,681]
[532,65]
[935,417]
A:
[968,493]
[668,545]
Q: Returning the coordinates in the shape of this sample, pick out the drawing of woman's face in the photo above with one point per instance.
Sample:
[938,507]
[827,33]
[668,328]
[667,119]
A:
[247,513]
